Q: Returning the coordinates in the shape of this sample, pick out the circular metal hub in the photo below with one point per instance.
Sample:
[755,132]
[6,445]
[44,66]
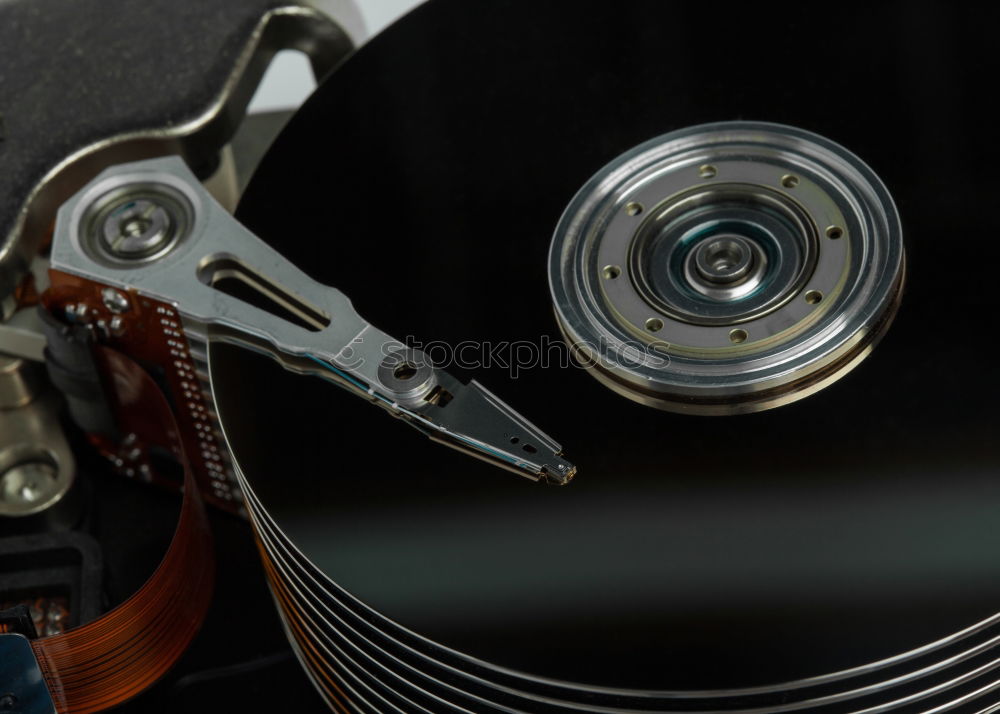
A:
[129,220]
[727,268]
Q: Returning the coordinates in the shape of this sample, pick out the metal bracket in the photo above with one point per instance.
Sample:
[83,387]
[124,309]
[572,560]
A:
[22,686]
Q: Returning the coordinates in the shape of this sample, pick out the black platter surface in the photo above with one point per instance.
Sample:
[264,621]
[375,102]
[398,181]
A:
[425,179]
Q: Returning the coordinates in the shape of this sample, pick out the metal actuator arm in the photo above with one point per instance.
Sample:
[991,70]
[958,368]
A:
[151,227]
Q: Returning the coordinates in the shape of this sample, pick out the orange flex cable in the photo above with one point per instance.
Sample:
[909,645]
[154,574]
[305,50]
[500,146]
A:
[112,659]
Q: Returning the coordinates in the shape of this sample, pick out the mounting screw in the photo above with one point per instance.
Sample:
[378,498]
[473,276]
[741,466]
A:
[114,301]
[7,702]
[30,486]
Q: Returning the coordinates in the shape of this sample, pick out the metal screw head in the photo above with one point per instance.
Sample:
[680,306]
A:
[114,301]
[28,483]
[137,229]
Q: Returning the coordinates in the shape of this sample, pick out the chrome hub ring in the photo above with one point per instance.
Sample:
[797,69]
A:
[723,259]
[727,268]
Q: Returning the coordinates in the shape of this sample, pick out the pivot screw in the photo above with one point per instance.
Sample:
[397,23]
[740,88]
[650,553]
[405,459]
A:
[138,229]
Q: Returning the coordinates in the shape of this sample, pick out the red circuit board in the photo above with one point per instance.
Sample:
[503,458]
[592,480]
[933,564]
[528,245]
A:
[150,332]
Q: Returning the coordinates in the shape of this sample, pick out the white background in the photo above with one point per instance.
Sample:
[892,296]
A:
[288,81]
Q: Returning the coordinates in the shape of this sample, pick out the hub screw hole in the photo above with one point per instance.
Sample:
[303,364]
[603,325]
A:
[737,336]
[789,181]
[654,324]
[834,232]
[813,297]
[404,371]
[612,271]
[633,208]
[707,171]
